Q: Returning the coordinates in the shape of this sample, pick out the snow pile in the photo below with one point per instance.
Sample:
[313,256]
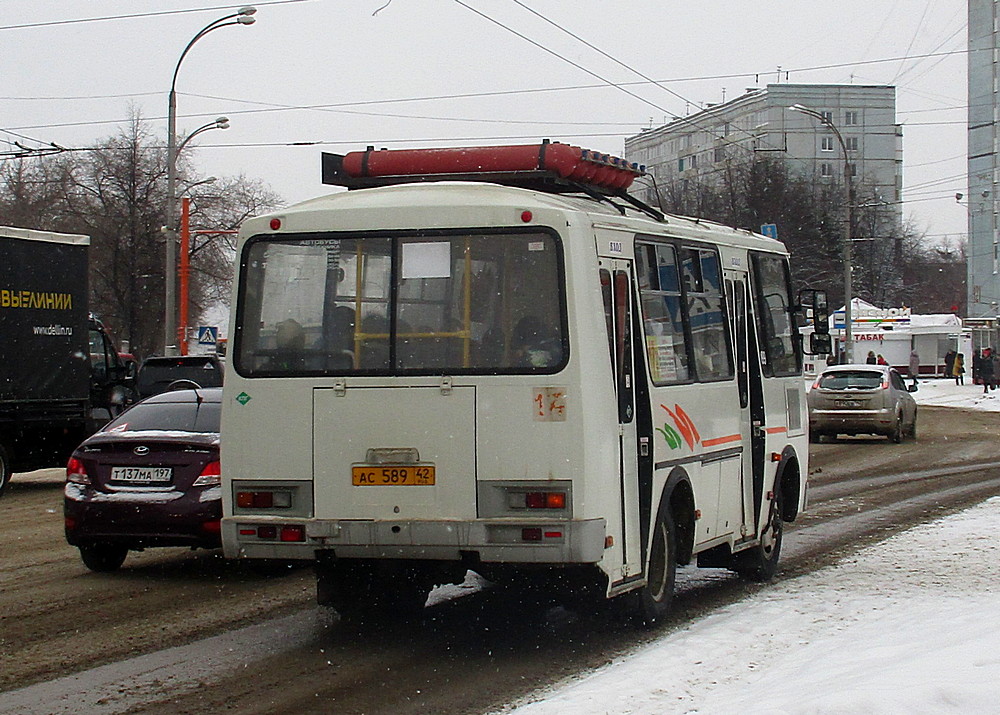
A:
[908,625]
[945,393]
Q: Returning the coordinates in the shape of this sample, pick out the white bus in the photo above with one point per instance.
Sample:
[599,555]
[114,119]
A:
[530,376]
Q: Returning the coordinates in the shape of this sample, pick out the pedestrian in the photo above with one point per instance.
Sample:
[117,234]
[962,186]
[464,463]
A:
[871,359]
[986,369]
[914,365]
[958,369]
[949,362]
[995,361]
[879,360]
[977,361]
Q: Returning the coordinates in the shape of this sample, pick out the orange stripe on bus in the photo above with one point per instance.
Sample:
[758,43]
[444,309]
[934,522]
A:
[721,440]
[775,430]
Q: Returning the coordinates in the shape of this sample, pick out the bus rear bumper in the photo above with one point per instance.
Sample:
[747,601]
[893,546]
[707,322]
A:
[575,541]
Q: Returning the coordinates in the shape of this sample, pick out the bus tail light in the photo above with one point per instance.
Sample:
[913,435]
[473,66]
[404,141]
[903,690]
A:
[537,533]
[293,533]
[288,533]
[545,500]
[264,500]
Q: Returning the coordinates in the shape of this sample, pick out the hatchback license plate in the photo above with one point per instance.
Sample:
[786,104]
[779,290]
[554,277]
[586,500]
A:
[393,476]
[142,475]
[848,403]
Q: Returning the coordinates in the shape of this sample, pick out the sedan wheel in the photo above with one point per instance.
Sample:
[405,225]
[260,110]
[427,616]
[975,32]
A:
[103,558]
[896,435]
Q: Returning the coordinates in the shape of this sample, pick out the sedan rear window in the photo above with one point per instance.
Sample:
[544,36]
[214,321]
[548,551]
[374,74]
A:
[169,416]
[855,380]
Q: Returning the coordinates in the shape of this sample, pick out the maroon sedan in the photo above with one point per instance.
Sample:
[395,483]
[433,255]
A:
[150,478]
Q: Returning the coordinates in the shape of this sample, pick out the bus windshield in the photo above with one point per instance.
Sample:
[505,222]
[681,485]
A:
[485,302]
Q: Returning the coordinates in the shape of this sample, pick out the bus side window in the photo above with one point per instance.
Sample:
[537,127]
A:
[662,313]
[608,313]
[623,343]
[618,318]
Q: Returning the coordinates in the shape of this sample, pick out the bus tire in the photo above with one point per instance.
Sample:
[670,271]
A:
[760,563]
[356,589]
[6,468]
[653,599]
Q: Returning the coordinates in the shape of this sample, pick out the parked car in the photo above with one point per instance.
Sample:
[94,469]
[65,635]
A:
[150,477]
[862,399]
[157,374]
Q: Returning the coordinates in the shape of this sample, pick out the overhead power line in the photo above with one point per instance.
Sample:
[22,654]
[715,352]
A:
[133,16]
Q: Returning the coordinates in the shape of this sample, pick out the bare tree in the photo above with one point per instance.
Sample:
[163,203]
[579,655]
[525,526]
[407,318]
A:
[116,193]
[890,263]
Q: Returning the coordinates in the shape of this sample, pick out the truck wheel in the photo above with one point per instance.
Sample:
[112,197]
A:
[653,599]
[103,558]
[760,563]
[6,469]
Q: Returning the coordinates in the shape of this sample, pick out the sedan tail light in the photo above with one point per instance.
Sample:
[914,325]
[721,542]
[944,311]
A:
[211,475]
[76,472]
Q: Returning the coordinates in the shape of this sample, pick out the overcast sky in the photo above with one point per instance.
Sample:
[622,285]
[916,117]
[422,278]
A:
[340,75]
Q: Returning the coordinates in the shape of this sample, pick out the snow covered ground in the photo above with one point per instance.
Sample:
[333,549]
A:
[910,625]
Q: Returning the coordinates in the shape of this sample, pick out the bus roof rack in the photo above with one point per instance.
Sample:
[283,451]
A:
[549,166]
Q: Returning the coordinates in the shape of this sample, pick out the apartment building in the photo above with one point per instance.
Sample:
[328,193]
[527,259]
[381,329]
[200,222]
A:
[983,280]
[697,147]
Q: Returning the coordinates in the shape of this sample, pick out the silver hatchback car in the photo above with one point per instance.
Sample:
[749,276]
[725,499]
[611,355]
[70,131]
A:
[862,399]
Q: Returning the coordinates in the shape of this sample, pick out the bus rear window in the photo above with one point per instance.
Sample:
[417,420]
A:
[470,302]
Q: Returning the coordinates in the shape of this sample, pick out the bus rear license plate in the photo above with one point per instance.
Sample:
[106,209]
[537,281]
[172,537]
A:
[390,476]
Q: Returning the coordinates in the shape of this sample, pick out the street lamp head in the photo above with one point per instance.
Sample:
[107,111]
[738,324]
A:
[245,20]
[222,123]
[802,109]
[958,196]
[248,10]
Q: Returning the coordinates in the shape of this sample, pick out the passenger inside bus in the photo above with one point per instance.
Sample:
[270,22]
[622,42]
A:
[534,344]
[290,342]
[339,341]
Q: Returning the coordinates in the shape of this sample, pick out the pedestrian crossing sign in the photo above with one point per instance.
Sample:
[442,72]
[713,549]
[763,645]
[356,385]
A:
[208,335]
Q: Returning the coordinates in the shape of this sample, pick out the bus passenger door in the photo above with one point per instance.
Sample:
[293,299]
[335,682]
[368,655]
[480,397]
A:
[634,449]
[748,380]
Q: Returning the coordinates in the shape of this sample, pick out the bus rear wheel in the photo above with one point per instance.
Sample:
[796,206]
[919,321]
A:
[653,599]
[760,563]
[359,588]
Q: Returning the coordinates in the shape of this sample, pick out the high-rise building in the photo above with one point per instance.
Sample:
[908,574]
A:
[984,173]
[696,148]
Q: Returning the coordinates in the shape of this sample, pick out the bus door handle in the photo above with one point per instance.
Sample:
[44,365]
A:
[758,428]
[644,446]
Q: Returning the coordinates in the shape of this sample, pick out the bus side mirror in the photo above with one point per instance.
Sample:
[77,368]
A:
[815,310]
[820,344]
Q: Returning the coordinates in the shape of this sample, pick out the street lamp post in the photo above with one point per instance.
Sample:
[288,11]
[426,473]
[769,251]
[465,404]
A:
[848,197]
[242,17]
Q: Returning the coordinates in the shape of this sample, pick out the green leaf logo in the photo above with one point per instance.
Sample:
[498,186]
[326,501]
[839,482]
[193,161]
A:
[670,434]
[243,398]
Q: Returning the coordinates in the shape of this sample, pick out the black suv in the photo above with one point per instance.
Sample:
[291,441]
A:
[157,373]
